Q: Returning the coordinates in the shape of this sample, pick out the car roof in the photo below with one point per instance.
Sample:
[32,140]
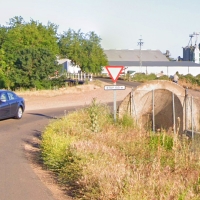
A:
[2,90]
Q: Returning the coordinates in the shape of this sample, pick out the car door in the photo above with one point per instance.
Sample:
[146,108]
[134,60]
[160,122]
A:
[13,101]
[4,106]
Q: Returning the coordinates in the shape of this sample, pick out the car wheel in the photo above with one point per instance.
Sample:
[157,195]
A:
[19,113]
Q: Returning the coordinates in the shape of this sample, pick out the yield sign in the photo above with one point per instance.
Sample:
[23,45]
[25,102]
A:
[114,72]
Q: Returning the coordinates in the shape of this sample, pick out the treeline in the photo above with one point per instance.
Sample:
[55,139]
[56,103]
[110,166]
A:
[29,52]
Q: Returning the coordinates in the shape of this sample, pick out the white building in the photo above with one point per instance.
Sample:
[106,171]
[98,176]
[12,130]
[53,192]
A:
[68,66]
[152,61]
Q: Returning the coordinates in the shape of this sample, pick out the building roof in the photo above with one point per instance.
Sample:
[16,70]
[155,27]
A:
[154,63]
[134,55]
[61,61]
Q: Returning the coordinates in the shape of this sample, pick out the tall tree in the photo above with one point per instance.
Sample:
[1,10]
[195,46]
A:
[83,49]
[96,55]
[34,66]
[20,36]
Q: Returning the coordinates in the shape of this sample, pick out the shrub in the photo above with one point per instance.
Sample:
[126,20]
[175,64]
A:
[54,146]
[160,140]
[143,77]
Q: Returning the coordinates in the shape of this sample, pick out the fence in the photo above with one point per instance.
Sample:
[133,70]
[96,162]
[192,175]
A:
[79,76]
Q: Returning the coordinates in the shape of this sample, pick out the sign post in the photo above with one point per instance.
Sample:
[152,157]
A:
[114,72]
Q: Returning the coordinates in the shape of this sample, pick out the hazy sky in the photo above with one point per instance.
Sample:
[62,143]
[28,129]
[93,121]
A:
[163,24]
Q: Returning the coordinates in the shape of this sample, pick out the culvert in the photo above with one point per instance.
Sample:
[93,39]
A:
[169,106]
[163,115]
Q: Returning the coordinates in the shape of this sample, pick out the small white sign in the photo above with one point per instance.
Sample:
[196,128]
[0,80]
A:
[114,87]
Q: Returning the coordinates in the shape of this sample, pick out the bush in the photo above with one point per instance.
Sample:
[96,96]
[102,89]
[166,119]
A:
[54,147]
[161,140]
[143,77]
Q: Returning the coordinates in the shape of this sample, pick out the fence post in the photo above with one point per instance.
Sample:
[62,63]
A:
[192,117]
[78,76]
[133,105]
[174,117]
[153,112]
[91,77]
[186,109]
[132,102]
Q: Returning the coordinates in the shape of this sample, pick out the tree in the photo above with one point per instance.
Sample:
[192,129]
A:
[22,37]
[83,50]
[33,68]
[96,56]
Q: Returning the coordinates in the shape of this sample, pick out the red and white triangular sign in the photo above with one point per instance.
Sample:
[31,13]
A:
[114,72]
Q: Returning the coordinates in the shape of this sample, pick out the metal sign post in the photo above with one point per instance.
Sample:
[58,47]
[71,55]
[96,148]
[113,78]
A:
[115,104]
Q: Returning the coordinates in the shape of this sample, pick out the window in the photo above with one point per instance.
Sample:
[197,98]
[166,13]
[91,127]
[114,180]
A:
[11,96]
[3,97]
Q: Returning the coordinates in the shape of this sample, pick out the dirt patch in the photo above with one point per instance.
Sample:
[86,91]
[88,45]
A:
[72,96]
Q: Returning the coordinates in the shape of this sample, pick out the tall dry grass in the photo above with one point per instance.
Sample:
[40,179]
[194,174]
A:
[60,91]
[119,161]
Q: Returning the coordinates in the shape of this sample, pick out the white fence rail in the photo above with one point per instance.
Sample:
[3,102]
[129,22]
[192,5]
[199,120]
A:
[80,76]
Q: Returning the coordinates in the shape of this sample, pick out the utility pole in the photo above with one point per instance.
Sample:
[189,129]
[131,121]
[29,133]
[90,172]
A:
[140,43]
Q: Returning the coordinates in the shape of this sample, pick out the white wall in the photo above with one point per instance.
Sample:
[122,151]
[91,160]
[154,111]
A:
[68,66]
[72,68]
[170,70]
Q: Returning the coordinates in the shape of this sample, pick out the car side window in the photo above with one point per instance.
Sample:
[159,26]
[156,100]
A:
[11,96]
[4,97]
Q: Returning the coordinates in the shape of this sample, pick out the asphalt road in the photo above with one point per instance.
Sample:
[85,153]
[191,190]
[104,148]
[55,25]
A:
[17,179]
[119,82]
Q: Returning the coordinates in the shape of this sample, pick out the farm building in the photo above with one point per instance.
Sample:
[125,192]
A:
[149,61]
[68,66]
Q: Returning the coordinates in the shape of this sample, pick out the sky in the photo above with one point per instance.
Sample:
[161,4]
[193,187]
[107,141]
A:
[162,25]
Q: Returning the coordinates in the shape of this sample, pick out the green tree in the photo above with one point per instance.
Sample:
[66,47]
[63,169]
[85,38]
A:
[96,57]
[26,37]
[83,50]
[34,67]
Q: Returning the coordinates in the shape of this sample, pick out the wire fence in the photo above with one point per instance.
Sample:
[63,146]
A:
[163,109]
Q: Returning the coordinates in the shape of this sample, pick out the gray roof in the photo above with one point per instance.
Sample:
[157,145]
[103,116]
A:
[154,63]
[134,55]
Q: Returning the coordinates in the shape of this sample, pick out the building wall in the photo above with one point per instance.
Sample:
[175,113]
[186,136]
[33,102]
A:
[167,70]
[68,66]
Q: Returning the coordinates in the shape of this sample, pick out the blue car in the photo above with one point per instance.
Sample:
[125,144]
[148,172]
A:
[11,105]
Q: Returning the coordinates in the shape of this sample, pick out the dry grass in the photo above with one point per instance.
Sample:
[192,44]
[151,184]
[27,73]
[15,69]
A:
[186,84]
[61,91]
[121,162]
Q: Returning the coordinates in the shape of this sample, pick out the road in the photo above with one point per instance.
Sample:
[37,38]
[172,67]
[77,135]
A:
[119,82]
[18,181]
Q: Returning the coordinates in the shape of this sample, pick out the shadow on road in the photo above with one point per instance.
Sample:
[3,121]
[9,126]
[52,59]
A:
[43,115]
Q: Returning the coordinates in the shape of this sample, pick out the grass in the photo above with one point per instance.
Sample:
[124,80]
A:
[65,90]
[118,160]
[187,81]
